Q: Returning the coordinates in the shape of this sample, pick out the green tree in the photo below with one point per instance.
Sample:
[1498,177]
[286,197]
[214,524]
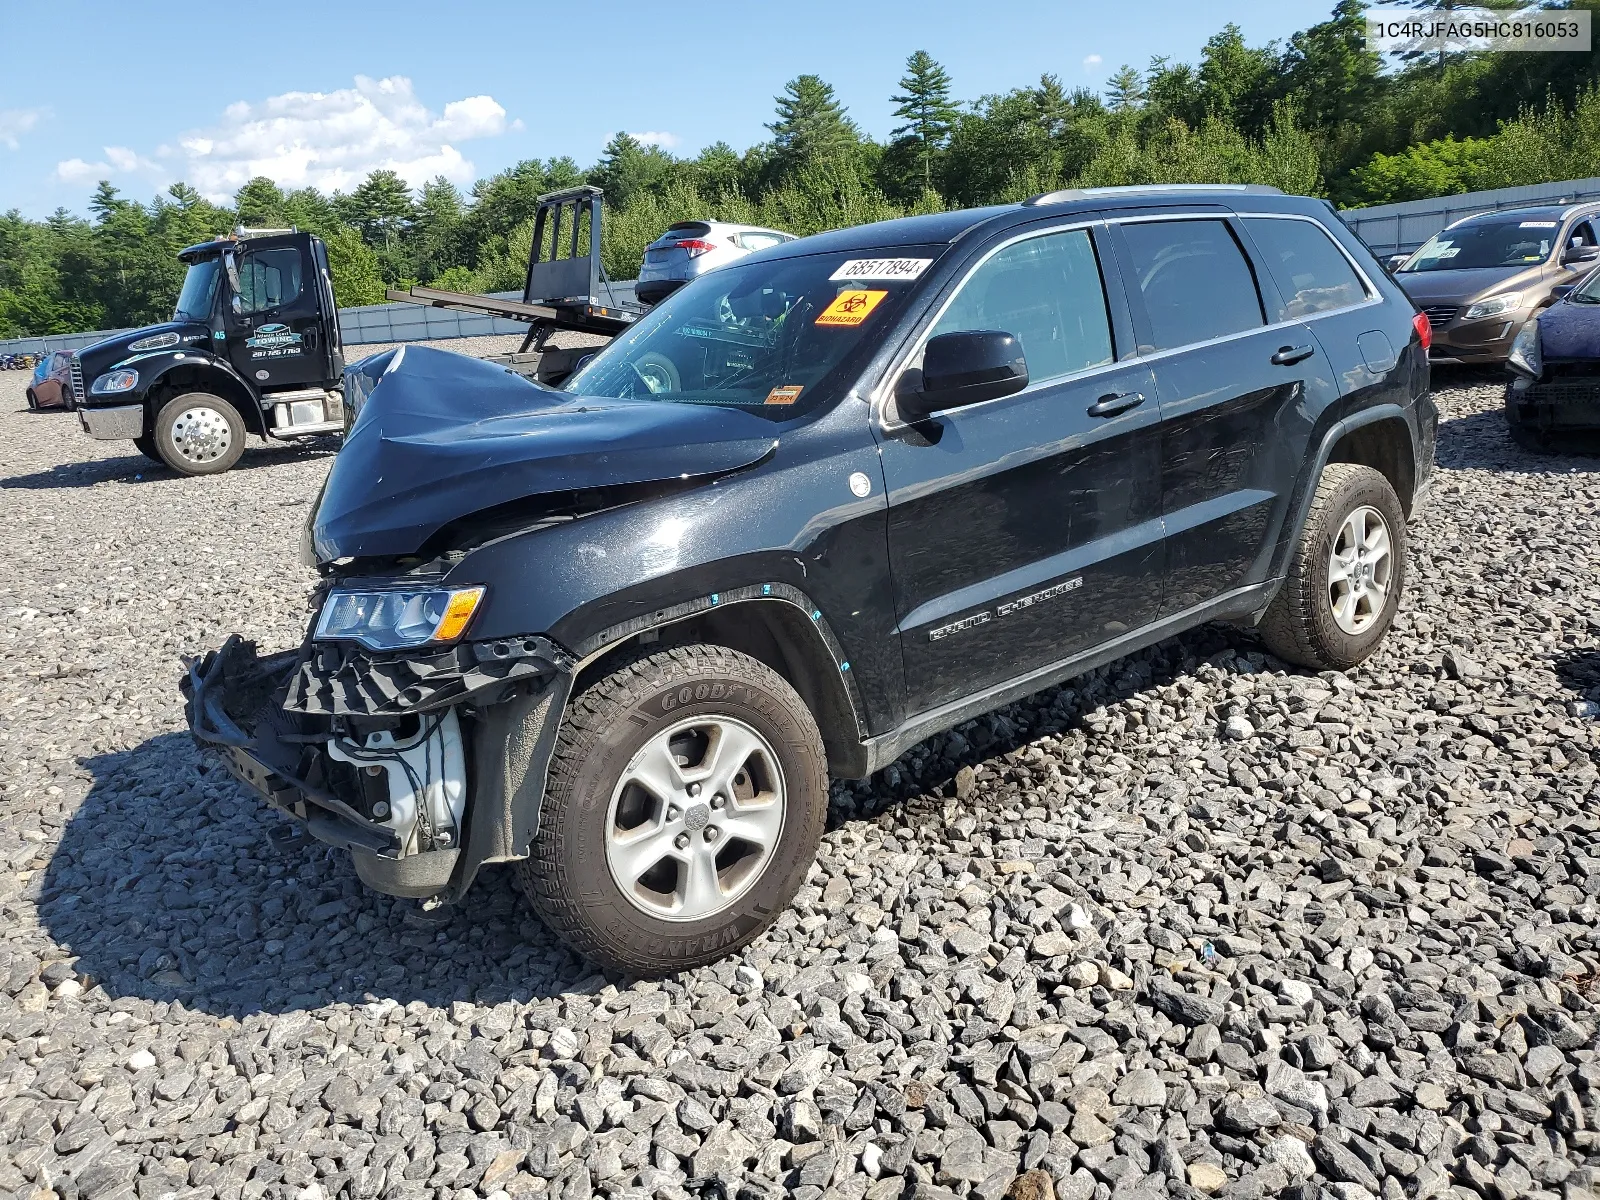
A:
[1125,90]
[924,103]
[380,207]
[1441,168]
[812,128]
[260,204]
[1238,83]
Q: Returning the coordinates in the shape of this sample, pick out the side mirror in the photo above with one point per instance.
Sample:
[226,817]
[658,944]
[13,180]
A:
[1394,260]
[1580,254]
[966,367]
[1562,290]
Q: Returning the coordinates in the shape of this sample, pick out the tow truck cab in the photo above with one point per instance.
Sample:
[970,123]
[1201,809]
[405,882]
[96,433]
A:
[253,347]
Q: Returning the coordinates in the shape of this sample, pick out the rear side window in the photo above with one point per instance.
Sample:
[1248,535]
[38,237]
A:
[1195,281]
[1311,273]
[759,241]
[1045,292]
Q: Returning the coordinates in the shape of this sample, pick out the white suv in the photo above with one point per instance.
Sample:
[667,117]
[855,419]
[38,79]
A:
[688,249]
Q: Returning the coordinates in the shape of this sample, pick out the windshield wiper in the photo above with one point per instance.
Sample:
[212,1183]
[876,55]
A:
[1579,298]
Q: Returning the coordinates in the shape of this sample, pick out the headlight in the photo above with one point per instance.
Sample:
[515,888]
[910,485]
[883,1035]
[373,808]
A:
[1493,306]
[158,341]
[1525,356]
[392,620]
[115,381]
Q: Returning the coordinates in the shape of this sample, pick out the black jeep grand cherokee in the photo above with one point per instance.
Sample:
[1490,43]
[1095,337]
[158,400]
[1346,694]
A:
[813,508]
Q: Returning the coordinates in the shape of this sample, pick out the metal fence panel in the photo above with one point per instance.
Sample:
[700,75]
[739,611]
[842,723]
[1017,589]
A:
[1401,228]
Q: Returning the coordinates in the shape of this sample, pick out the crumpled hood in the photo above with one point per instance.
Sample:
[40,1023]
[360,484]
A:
[1569,330]
[441,436]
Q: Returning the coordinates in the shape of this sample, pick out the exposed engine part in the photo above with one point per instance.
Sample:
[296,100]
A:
[427,778]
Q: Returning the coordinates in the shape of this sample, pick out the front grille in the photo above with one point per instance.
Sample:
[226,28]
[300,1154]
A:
[76,369]
[1581,400]
[1441,314]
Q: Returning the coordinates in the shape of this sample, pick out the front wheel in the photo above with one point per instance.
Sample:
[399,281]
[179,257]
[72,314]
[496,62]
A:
[198,434]
[1344,583]
[687,793]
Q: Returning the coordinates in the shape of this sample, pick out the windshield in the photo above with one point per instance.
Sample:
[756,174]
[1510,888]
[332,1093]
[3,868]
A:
[199,289]
[1587,292]
[763,336]
[1486,244]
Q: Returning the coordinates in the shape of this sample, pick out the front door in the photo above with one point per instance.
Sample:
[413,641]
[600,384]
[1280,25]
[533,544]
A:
[1239,397]
[275,336]
[1025,529]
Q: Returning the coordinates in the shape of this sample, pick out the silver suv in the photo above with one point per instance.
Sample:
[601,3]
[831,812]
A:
[688,249]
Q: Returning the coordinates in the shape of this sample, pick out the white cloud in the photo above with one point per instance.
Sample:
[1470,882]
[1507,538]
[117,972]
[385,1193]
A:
[14,122]
[1091,60]
[653,137]
[327,140]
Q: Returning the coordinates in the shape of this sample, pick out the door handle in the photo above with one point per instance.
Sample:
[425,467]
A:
[1116,402]
[1289,355]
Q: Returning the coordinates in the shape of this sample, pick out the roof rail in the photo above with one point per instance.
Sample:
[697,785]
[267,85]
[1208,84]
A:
[1067,194]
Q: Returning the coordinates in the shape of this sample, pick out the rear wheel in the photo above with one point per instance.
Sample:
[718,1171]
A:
[1344,583]
[687,793]
[198,434]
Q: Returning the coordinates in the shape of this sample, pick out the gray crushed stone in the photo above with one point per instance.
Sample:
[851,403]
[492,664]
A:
[1195,924]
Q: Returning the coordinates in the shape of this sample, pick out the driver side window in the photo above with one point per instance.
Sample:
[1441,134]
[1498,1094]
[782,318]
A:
[1045,292]
[268,279]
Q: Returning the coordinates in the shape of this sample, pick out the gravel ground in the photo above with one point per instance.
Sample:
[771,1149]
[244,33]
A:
[1197,924]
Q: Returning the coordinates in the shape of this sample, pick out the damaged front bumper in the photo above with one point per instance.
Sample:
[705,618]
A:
[424,765]
[1563,399]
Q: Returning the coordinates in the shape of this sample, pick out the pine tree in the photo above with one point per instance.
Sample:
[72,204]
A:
[811,126]
[926,106]
[260,203]
[106,200]
[1125,90]
[381,206]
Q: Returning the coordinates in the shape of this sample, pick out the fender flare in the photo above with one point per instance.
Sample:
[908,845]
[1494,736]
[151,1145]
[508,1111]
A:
[1306,487]
[178,360]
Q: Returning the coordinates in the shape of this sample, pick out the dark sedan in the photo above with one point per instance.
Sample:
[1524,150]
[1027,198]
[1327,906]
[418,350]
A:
[1555,365]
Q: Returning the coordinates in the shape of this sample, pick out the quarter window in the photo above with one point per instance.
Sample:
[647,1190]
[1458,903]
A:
[1195,281]
[268,279]
[1046,292]
[1311,273]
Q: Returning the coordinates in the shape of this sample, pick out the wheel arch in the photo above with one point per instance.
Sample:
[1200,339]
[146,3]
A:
[203,375]
[1362,437]
[773,623]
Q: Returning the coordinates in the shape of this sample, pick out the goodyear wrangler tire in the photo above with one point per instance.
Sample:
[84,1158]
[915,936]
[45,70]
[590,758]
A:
[1345,579]
[687,793]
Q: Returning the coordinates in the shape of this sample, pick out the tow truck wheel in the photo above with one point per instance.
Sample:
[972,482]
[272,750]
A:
[147,446]
[198,434]
[687,793]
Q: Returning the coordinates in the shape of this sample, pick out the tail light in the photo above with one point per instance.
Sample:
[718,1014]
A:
[695,246]
[1419,322]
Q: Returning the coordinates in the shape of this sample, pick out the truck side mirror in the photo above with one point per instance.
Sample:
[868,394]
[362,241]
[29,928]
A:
[966,367]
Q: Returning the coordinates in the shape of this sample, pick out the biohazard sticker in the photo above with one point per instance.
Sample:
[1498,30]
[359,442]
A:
[787,394]
[850,308]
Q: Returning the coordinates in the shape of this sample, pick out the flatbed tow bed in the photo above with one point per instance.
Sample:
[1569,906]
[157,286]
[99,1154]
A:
[568,293]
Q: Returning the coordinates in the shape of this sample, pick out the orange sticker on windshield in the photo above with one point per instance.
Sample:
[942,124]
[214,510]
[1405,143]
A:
[850,308]
[787,394]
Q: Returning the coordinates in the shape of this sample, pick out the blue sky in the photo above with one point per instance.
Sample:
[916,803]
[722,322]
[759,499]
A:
[147,93]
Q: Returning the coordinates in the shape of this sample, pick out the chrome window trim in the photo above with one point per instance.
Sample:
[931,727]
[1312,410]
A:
[880,394]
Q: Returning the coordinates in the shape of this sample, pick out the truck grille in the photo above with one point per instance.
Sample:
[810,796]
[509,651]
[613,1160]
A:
[76,369]
[1441,314]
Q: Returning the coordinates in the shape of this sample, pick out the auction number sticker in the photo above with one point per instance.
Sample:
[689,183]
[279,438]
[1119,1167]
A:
[882,268]
[850,308]
[787,394]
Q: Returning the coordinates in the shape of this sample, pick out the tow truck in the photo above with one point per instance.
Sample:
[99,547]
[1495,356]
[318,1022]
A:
[565,288]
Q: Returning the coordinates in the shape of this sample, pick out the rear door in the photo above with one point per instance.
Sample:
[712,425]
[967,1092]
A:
[275,337]
[1025,529]
[1238,398]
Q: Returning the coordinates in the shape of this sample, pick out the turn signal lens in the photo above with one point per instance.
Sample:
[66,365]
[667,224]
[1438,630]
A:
[1424,330]
[457,613]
